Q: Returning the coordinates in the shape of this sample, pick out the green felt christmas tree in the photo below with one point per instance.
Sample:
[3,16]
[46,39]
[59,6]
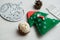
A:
[42,25]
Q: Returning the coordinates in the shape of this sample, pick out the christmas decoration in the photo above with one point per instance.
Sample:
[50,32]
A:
[42,23]
[38,4]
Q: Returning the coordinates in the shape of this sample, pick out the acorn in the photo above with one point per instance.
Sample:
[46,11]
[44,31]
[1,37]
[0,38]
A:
[38,4]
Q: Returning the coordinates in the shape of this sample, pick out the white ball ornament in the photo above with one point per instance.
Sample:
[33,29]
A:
[24,27]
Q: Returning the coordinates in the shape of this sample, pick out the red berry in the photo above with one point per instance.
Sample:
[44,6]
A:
[42,17]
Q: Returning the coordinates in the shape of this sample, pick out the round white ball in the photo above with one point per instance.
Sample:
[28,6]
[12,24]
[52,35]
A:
[24,27]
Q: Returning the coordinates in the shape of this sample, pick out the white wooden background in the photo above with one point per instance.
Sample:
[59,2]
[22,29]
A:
[8,30]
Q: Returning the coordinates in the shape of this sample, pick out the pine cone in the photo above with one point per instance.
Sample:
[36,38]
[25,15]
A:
[38,5]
